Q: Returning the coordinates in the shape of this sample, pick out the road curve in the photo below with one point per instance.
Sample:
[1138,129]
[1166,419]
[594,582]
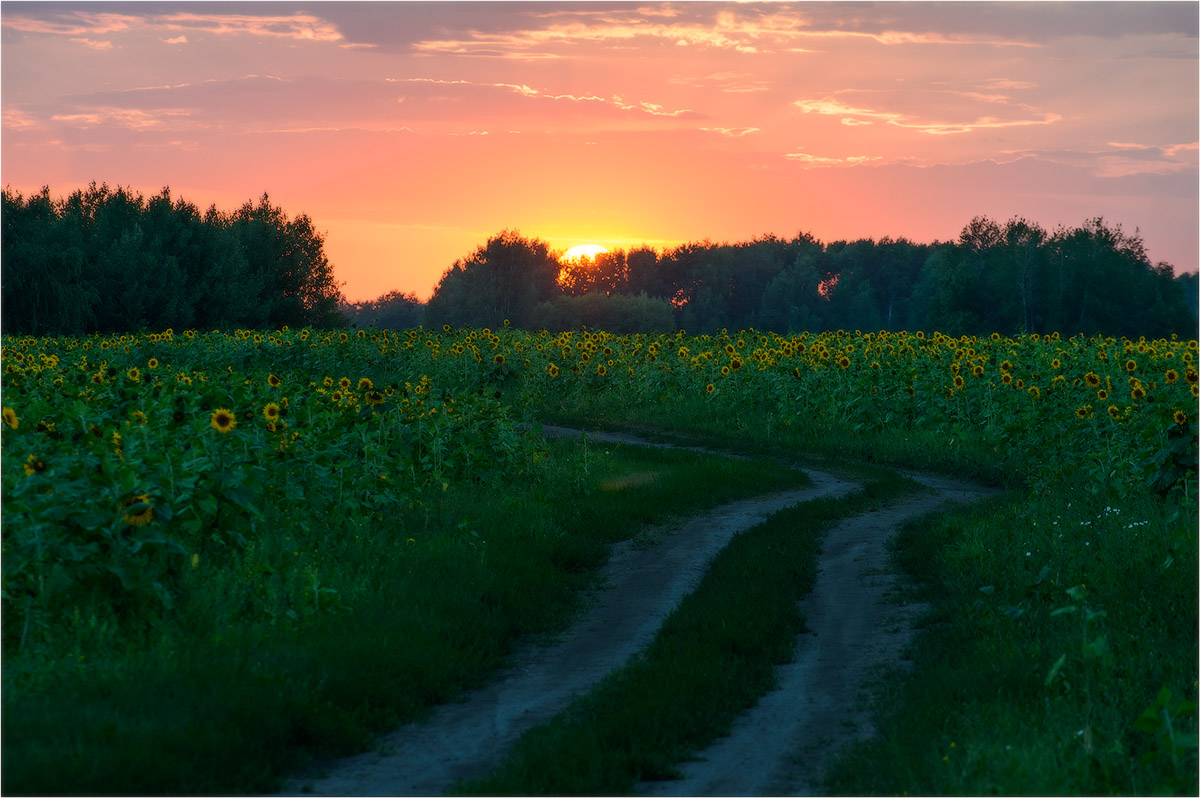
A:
[643,586]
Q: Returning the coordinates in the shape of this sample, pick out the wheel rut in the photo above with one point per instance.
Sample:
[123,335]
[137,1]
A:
[854,628]
[641,588]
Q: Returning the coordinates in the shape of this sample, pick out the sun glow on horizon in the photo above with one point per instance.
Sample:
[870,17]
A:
[582,252]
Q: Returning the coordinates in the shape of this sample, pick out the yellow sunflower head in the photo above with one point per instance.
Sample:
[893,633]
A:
[222,420]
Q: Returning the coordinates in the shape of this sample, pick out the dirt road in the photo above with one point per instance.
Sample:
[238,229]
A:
[855,627]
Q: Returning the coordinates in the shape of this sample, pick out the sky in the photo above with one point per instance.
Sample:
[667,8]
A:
[411,132]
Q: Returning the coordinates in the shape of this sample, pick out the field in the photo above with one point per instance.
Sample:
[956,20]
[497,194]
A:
[224,553]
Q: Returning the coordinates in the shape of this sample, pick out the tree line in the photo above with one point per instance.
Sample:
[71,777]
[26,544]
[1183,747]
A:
[109,260]
[1009,277]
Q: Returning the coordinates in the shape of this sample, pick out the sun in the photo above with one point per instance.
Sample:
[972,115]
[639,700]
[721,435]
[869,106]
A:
[588,251]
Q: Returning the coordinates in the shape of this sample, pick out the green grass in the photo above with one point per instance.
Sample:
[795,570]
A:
[263,664]
[980,714]
[712,659]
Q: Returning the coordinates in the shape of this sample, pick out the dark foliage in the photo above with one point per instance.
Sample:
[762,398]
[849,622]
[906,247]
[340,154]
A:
[392,311]
[105,260]
[1009,278]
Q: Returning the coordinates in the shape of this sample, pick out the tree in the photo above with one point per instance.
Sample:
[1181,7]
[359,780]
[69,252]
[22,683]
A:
[108,260]
[504,279]
[391,311]
[288,258]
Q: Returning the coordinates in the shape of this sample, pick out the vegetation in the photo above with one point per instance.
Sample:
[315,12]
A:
[222,552]
[104,260]
[711,660]
[323,516]
[208,574]
[1009,278]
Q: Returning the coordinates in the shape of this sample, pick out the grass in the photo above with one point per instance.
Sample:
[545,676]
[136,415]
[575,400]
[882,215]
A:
[1056,622]
[261,667]
[712,659]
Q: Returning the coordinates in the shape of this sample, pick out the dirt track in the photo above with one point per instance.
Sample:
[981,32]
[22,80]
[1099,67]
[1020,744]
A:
[777,748]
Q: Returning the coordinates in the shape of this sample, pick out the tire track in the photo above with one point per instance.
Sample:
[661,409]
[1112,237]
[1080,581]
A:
[466,739]
[783,744]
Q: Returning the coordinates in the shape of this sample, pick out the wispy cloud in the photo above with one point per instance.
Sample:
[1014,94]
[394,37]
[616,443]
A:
[613,101]
[748,31]
[863,115]
[93,43]
[80,23]
[1122,159]
[816,161]
[132,118]
[18,119]
[733,132]
[73,23]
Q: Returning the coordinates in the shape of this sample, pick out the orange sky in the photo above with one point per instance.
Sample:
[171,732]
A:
[410,132]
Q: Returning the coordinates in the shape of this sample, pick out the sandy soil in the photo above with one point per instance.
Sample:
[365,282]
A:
[855,628]
[777,748]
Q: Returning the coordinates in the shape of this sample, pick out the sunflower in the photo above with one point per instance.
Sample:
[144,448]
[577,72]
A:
[274,381]
[1138,392]
[343,338]
[1172,376]
[959,381]
[222,420]
[553,370]
[134,375]
[601,370]
[710,388]
[1114,412]
[1083,412]
[736,363]
[1131,365]
[35,466]
[141,516]
[1034,391]
[1006,366]
[498,360]
[1180,418]
[365,384]
[152,363]
[1102,395]
[327,382]
[270,411]
[1006,378]
[1056,364]
[977,370]
[10,418]
[374,397]
[344,383]
[843,361]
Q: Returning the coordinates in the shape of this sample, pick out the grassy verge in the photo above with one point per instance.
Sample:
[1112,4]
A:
[712,659]
[1057,623]
[762,435]
[315,635]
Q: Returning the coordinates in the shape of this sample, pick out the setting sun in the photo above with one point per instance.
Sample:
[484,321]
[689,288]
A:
[589,251]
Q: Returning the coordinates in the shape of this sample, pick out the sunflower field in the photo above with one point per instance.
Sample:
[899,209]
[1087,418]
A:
[134,466]
[129,458]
